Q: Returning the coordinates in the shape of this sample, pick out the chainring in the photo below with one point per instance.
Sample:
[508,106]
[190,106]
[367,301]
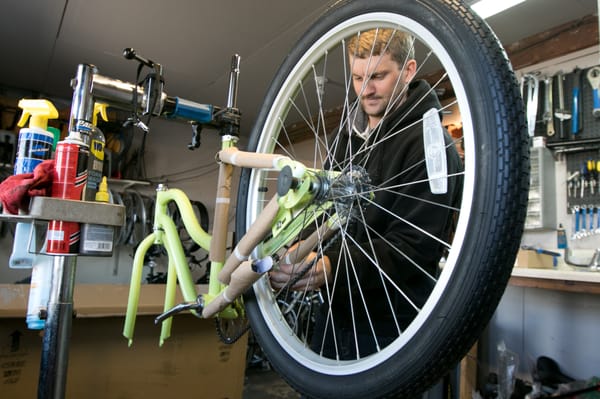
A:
[230,330]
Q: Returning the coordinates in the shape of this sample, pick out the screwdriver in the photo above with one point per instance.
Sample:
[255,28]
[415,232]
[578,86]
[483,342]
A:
[591,166]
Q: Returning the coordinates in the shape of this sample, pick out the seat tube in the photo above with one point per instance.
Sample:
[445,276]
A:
[218,244]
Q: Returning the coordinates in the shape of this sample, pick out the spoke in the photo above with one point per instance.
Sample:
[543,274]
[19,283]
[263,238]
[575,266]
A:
[379,269]
[277,143]
[387,189]
[399,251]
[387,277]
[447,245]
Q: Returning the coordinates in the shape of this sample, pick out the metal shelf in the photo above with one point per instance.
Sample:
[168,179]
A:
[48,208]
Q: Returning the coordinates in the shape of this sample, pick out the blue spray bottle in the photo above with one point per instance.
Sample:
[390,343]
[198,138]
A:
[35,146]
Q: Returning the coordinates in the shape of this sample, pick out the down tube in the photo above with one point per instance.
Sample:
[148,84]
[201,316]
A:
[177,256]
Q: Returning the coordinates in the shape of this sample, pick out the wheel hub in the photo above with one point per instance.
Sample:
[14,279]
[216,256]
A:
[351,190]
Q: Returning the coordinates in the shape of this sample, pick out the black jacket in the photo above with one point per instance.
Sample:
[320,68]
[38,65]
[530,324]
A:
[398,161]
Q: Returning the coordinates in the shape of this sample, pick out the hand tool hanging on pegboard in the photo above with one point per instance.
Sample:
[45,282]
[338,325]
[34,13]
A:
[576,230]
[591,167]
[576,118]
[548,114]
[593,76]
[530,83]
[561,113]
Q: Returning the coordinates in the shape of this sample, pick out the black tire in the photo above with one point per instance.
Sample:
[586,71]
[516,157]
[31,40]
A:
[490,220]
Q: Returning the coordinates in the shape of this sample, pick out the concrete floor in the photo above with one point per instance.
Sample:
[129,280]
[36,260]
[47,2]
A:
[261,383]
[266,384]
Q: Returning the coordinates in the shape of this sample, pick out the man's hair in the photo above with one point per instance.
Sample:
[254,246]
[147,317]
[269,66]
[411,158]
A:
[374,42]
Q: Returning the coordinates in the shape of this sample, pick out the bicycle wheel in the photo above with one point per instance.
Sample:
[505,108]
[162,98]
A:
[407,295]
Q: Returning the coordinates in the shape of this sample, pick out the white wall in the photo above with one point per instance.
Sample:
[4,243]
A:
[537,322]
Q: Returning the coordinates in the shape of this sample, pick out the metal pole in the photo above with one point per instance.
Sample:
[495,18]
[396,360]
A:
[57,333]
[55,347]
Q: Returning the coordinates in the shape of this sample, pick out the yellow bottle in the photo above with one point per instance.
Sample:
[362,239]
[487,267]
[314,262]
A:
[96,239]
[96,159]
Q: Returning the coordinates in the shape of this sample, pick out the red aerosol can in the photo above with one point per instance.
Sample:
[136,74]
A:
[71,159]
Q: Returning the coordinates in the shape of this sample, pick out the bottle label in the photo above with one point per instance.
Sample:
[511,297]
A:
[71,174]
[71,171]
[62,238]
[97,238]
[34,147]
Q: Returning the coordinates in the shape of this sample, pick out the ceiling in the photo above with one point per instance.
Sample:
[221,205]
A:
[43,41]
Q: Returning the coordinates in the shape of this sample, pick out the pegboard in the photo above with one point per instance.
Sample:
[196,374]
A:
[583,184]
[589,125]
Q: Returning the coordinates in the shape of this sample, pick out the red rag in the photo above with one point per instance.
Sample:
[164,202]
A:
[16,191]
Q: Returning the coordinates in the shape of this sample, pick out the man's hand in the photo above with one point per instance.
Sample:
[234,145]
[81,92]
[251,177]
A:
[313,279]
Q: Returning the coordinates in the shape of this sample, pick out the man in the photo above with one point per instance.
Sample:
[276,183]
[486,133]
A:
[391,108]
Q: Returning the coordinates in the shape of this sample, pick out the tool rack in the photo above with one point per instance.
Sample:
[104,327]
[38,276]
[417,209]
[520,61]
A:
[567,116]
[57,332]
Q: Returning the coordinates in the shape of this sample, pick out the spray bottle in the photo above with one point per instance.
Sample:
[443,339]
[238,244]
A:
[70,176]
[96,239]
[71,163]
[35,145]
[96,158]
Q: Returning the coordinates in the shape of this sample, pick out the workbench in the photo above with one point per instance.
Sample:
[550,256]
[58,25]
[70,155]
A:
[561,279]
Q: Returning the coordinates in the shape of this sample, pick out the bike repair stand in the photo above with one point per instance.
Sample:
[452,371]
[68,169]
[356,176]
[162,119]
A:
[57,331]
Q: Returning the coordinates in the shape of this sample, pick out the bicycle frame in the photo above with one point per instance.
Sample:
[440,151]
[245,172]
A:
[229,276]
[223,274]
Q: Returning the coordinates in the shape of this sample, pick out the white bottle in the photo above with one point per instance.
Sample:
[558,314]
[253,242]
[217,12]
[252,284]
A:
[39,290]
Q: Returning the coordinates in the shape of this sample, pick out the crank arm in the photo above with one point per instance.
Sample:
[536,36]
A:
[198,306]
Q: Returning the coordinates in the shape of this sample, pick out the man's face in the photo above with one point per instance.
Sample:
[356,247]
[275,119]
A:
[376,80]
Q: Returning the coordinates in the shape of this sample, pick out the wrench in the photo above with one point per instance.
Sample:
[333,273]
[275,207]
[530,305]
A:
[583,231]
[561,113]
[532,85]
[576,224]
[548,116]
[597,231]
[576,119]
[593,76]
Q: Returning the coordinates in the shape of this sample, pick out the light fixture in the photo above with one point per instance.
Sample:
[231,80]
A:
[487,8]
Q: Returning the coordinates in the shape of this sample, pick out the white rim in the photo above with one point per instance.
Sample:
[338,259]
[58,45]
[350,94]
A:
[293,346]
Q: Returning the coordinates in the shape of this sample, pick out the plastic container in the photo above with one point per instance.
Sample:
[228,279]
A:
[96,158]
[96,239]
[39,291]
[35,144]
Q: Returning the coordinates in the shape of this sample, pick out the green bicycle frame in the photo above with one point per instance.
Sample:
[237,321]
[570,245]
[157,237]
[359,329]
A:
[282,225]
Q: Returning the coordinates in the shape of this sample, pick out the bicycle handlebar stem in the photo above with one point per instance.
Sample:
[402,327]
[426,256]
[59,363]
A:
[82,106]
[234,75]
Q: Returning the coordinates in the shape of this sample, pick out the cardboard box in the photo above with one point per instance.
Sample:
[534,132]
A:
[193,361]
[533,260]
